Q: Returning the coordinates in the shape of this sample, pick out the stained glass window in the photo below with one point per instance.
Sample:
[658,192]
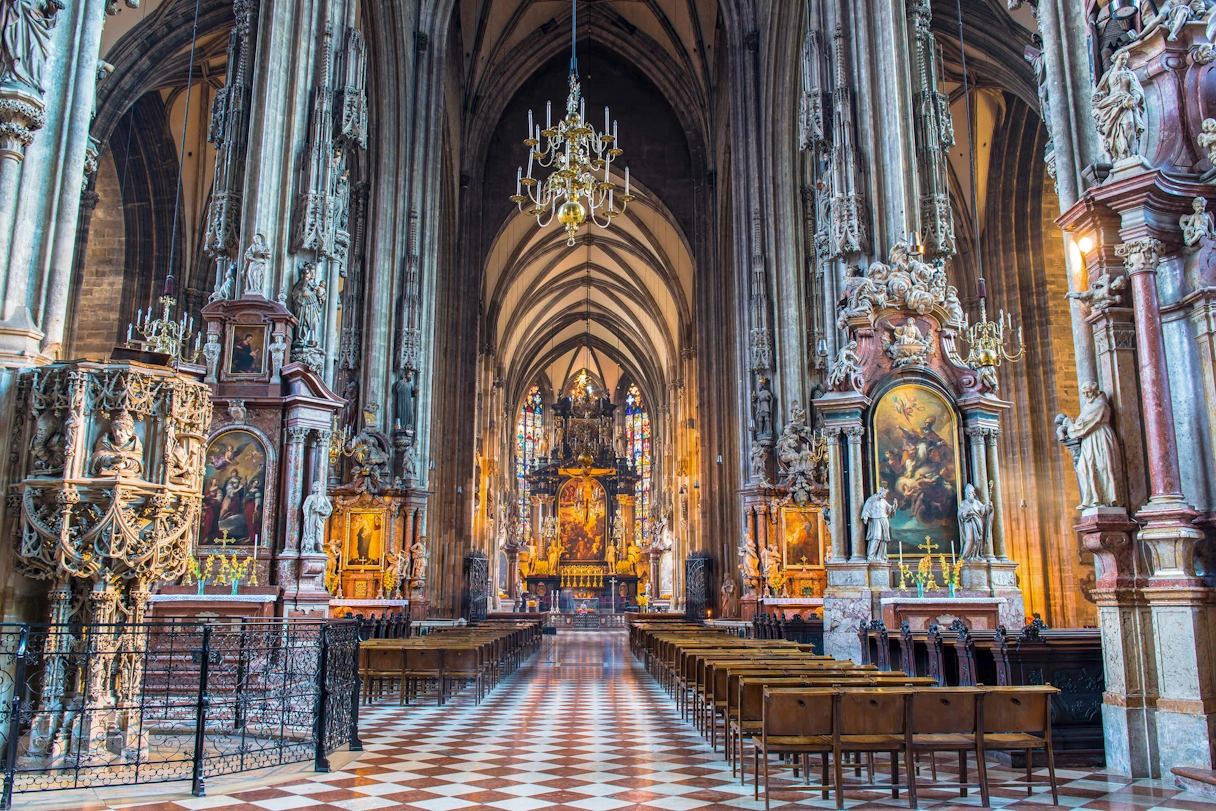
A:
[528,432]
[637,436]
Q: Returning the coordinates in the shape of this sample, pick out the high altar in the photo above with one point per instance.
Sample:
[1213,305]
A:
[910,429]
[579,551]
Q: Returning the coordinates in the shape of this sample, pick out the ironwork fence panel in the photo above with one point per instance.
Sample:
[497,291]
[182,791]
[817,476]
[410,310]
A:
[100,705]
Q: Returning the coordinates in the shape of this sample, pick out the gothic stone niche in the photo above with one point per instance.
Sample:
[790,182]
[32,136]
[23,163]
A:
[108,464]
[902,380]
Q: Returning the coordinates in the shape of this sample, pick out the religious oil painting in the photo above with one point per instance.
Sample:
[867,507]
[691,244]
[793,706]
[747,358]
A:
[365,539]
[916,457]
[234,489]
[802,533]
[582,517]
[247,350]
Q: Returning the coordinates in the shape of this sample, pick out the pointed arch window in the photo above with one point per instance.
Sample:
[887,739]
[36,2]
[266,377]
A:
[528,432]
[637,438]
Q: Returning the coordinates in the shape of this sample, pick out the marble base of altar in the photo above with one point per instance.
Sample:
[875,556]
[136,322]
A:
[749,607]
[369,609]
[217,603]
[585,622]
[787,608]
[977,613]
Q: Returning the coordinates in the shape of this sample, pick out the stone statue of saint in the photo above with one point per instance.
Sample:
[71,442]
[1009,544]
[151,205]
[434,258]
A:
[975,524]
[1119,109]
[770,563]
[728,604]
[762,403]
[25,39]
[1197,225]
[410,465]
[876,515]
[228,288]
[1098,460]
[120,451]
[405,401]
[308,300]
[47,447]
[418,559]
[610,557]
[749,563]
[316,510]
[759,462]
[257,262]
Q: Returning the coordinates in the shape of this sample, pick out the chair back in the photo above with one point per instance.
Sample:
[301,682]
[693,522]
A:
[460,659]
[947,710]
[1018,709]
[423,659]
[382,660]
[798,712]
[873,710]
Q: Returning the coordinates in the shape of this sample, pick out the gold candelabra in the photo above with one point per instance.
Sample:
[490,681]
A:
[581,182]
[165,335]
[990,342]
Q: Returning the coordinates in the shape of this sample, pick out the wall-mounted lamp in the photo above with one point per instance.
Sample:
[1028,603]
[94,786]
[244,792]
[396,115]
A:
[696,485]
[719,458]
[459,489]
[1086,244]
[432,464]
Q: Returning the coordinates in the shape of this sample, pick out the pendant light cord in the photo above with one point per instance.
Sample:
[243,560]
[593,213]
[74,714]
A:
[574,37]
[975,202]
[181,161]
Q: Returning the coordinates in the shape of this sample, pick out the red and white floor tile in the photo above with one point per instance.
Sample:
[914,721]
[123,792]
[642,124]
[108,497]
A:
[582,726]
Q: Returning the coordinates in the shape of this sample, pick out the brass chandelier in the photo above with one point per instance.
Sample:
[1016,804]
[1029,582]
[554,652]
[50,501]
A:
[580,188]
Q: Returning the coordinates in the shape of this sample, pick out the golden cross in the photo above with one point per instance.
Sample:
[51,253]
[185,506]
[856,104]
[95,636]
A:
[224,540]
[928,546]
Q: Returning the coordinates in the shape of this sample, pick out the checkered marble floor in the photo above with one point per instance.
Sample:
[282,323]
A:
[583,726]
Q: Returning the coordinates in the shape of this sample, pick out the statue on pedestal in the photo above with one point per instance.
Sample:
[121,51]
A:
[418,559]
[317,510]
[405,401]
[1098,457]
[975,524]
[25,26]
[876,515]
[749,563]
[728,602]
[308,303]
[1119,109]
[762,402]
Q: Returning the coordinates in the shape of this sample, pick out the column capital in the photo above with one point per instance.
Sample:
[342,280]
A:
[21,115]
[1140,255]
[296,434]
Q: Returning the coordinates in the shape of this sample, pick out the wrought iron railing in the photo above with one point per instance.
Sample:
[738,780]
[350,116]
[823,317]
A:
[85,706]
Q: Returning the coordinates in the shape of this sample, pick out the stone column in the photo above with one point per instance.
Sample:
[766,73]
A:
[628,506]
[1186,703]
[857,496]
[991,437]
[292,491]
[836,494]
[22,113]
[512,552]
[536,521]
[1203,317]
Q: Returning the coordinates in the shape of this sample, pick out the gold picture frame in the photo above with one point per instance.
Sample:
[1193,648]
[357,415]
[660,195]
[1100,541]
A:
[803,531]
[365,540]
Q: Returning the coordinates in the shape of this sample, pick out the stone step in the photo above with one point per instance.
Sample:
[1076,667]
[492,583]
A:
[1193,778]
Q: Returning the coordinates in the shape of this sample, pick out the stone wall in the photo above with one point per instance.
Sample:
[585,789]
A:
[100,293]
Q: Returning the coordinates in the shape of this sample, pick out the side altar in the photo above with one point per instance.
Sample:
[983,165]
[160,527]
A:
[910,429]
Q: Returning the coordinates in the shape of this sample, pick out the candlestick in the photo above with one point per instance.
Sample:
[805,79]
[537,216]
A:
[901,553]
[529,124]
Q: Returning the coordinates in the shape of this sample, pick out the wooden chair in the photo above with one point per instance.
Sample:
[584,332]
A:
[423,664]
[795,722]
[460,665]
[951,719]
[380,665]
[874,719]
[1019,719]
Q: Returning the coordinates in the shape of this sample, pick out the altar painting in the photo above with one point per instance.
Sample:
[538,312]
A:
[582,518]
[247,350]
[802,533]
[916,457]
[365,536]
[234,488]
